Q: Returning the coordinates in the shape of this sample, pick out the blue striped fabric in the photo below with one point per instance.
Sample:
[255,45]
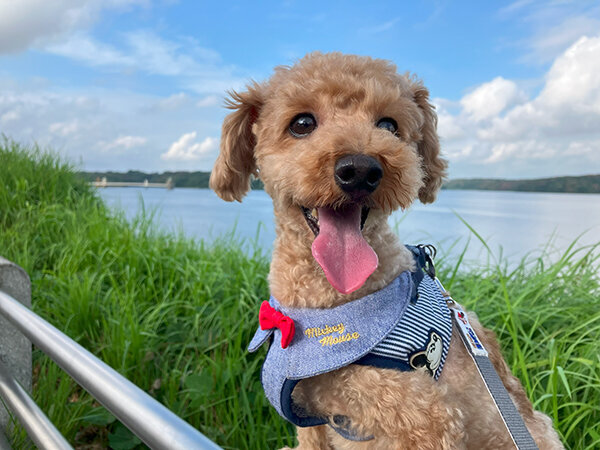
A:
[413,337]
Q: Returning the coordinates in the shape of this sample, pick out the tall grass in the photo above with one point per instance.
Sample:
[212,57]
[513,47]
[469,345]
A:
[175,315]
[547,318]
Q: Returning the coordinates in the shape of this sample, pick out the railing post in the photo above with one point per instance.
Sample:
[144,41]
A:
[15,349]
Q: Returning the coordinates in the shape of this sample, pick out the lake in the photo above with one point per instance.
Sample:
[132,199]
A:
[513,224]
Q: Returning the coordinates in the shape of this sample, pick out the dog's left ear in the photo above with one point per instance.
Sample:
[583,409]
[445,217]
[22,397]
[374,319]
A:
[230,177]
[434,166]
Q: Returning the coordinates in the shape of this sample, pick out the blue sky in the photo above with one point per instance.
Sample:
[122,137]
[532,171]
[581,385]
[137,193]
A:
[139,84]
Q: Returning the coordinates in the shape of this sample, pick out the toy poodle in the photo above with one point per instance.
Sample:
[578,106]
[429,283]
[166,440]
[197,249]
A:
[363,353]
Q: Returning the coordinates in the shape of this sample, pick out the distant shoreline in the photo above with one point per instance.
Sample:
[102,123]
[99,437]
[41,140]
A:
[585,184]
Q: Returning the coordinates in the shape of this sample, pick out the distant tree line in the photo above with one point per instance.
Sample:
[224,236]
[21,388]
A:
[586,184]
[583,184]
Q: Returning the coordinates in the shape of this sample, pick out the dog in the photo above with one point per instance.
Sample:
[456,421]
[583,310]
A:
[340,142]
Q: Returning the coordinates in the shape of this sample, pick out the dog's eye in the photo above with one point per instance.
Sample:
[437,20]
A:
[302,125]
[387,123]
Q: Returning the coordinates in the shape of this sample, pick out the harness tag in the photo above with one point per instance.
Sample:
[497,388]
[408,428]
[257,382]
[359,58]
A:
[467,333]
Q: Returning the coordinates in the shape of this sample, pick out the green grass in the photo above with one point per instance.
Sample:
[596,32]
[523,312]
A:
[175,315]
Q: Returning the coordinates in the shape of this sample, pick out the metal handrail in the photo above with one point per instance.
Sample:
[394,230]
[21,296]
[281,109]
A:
[42,432]
[152,422]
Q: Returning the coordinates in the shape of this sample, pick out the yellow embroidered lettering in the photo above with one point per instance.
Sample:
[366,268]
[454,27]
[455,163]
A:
[326,331]
[330,340]
[325,341]
[339,328]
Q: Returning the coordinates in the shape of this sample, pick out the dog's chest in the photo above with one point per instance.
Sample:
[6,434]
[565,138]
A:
[393,328]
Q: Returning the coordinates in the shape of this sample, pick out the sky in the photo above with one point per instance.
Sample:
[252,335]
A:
[140,84]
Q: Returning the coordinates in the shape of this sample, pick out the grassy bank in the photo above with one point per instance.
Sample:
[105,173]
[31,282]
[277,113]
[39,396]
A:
[175,316]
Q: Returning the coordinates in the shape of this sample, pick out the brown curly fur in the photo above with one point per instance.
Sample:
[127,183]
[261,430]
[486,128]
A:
[347,95]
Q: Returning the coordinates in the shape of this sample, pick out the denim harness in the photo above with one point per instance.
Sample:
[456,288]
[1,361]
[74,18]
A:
[404,326]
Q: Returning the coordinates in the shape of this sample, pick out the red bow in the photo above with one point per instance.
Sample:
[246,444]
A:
[269,317]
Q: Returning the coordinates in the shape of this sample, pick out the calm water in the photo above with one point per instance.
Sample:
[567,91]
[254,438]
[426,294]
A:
[512,223]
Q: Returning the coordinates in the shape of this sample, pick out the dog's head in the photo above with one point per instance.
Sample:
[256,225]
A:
[333,138]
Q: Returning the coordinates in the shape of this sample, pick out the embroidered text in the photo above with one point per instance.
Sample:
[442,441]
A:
[316,331]
[330,340]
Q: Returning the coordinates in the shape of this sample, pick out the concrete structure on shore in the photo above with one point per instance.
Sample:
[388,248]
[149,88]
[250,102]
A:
[103,183]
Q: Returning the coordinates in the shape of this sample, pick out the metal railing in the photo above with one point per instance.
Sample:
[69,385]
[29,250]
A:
[152,422]
[42,432]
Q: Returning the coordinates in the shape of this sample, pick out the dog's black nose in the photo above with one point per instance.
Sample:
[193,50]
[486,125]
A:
[358,175]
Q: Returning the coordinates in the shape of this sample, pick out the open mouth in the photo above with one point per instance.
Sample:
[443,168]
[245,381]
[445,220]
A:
[312,218]
[339,246]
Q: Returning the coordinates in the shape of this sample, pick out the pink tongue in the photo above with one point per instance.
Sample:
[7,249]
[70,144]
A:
[341,251]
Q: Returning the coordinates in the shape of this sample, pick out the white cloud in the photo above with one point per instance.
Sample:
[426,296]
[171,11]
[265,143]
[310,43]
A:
[523,149]
[569,102]
[126,142]
[142,50]
[380,28]
[186,149]
[104,129]
[24,23]
[210,100]
[199,69]
[515,6]
[164,57]
[546,45]
[574,79]
[490,99]
[63,28]
[449,127]
[583,148]
[8,116]
[64,128]
[503,130]
[85,49]
[174,101]
[555,25]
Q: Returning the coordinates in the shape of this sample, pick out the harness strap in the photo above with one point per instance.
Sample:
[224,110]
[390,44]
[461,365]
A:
[509,413]
[511,417]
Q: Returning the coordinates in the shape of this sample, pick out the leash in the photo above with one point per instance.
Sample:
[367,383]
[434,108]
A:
[509,413]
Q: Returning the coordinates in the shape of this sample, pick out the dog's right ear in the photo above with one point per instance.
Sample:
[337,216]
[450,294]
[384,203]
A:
[434,165]
[230,177]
